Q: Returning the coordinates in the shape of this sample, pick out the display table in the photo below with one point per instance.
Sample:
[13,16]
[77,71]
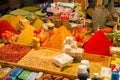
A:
[42,59]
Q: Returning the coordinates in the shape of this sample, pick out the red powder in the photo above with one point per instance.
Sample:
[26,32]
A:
[5,25]
[98,44]
[13,52]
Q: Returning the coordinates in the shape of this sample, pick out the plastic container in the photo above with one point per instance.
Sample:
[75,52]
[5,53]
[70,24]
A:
[115,75]
[86,62]
[82,72]
[96,77]
[65,21]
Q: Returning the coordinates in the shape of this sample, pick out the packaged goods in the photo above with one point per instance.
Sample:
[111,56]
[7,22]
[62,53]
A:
[55,77]
[86,63]
[8,78]
[4,72]
[24,75]
[96,77]
[115,75]
[32,76]
[82,72]
[40,74]
[12,77]
[115,50]
[16,72]
[62,60]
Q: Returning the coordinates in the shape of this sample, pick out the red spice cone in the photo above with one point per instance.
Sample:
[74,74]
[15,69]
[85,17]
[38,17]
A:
[6,26]
[98,44]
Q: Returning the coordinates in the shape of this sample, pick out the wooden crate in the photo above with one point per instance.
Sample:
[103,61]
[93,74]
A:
[103,60]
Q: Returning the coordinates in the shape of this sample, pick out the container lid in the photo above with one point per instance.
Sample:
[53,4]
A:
[96,74]
[65,17]
[82,69]
[89,79]
[85,62]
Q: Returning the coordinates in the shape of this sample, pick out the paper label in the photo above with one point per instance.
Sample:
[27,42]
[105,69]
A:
[106,72]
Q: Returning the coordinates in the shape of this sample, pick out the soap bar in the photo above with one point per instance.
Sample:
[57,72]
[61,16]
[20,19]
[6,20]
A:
[39,75]
[62,60]
[13,77]
[16,72]
[32,76]
[8,78]
[24,75]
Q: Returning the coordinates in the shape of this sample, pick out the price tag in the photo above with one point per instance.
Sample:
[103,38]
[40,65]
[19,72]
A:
[106,72]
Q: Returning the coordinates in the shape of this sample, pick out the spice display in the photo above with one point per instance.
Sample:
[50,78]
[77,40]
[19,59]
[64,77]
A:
[98,44]
[9,18]
[57,40]
[13,52]
[15,22]
[41,59]
[5,25]
[25,37]
[38,23]
[60,39]
[9,37]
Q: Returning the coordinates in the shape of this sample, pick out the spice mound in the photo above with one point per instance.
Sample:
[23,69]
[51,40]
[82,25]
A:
[13,52]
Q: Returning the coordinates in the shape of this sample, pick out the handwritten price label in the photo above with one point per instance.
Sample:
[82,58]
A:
[106,72]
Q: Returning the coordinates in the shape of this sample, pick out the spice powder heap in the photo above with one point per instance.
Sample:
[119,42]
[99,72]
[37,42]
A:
[13,52]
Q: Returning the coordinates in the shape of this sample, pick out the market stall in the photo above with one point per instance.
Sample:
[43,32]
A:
[59,41]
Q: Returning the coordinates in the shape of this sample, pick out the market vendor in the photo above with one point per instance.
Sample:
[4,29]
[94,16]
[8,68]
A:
[109,4]
[100,13]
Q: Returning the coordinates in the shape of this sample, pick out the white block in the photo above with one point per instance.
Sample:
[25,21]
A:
[62,60]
